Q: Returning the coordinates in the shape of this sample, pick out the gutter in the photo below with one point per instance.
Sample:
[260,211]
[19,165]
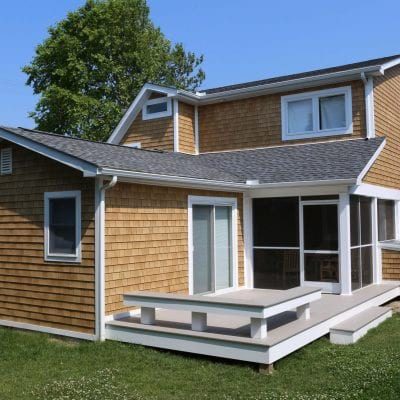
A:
[100,278]
[369,104]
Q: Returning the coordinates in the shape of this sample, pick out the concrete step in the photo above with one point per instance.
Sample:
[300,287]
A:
[352,329]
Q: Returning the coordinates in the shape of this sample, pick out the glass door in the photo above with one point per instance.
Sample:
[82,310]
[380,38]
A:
[212,248]
[319,245]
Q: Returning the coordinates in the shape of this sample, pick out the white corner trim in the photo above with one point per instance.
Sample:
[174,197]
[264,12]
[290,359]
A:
[369,104]
[248,241]
[314,97]
[344,244]
[45,329]
[88,170]
[370,162]
[196,130]
[58,257]
[176,125]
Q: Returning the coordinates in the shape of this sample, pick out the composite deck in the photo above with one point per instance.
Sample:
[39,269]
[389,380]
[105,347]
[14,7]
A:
[227,336]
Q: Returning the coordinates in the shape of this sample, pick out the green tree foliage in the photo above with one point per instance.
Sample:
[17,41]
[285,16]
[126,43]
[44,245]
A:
[96,60]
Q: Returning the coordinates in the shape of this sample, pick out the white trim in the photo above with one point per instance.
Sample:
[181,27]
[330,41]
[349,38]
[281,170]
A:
[71,258]
[89,170]
[369,104]
[45,329]
[370,162]
[214,201]
[146,116]
[365,189]
[99,258]
[376,253]
[390,64]
[248,241]
[134,145]
[314,97]
[196,130]
[344,244]
[176,125]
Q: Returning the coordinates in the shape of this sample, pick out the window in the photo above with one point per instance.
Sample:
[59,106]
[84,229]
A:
[157,108]
[6,161]
[361,241]
[386,220]
[62,226]
[323,113]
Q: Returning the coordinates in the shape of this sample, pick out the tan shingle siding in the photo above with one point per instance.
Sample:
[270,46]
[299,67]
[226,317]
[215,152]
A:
[386,169]
[256,121]
[147,240]
[58,295]
[186,128]
[391,265]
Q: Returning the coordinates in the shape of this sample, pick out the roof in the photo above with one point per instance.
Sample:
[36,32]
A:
[325,161]
[318,72]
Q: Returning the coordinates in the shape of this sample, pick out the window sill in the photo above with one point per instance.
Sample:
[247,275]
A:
[317,134]
[390,245]
[64,259]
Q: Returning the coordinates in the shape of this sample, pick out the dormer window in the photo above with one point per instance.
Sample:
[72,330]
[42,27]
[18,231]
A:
[315,114]
[157,108]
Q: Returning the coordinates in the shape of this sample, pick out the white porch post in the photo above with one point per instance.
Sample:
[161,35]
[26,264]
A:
[248,240]
[344,244]
[376,251]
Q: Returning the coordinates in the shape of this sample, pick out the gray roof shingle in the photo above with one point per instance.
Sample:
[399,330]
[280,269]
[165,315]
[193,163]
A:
[324,71]
[344,159]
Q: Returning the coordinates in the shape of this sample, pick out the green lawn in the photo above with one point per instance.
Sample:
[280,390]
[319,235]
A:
[37,366]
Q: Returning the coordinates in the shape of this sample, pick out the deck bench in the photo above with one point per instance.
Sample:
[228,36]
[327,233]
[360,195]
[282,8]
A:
[257,304]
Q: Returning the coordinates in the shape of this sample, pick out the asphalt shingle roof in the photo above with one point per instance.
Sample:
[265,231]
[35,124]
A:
[344,159]
[340,68]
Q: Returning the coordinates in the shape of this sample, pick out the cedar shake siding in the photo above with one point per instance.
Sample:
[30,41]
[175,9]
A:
[391,265]
[256,121]
[147,240]
[186,128]
[155,133]
[52,294]
[386,169]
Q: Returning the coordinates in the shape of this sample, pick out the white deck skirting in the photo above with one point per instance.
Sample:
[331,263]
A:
[227,336]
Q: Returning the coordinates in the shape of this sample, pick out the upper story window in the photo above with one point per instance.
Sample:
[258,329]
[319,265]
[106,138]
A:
[313,114]
[157,108]
[62,226]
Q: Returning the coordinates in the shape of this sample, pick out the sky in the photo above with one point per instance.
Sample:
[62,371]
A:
[241,40]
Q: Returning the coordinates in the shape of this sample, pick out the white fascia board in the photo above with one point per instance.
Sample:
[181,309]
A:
[370,162]
[365,189]
[332,182]
[88,170]
[389,64]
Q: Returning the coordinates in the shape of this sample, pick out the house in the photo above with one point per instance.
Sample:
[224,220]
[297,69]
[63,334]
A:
[289,184]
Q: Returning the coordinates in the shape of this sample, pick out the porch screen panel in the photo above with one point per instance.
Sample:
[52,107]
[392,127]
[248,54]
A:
[202,249]
[276,243]
[361,241]
[223,247]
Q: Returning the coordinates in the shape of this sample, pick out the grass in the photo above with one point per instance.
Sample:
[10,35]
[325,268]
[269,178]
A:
[38,366]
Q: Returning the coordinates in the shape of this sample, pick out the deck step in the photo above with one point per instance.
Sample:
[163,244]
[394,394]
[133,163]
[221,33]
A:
[351,330]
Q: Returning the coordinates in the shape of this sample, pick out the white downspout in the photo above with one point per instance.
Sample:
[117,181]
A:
[369,104]
[100,279]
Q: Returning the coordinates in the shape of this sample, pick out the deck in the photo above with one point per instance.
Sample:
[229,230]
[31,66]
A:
[228,336]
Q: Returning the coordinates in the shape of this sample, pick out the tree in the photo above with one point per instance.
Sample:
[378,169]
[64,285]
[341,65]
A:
[95,61]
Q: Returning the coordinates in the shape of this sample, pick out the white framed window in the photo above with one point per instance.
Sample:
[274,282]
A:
[62,226]
[157,108]
[6,161]
[315,114]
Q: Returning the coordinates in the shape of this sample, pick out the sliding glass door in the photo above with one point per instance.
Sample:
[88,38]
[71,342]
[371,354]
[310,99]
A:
[212,248]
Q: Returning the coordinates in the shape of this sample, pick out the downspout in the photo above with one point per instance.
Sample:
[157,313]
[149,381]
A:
[100,279]
[369,104]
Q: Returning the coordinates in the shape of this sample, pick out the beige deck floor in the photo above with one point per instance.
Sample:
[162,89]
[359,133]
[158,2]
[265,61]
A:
[280,327]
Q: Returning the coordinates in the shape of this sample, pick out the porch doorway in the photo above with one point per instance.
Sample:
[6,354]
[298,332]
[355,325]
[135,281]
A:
[319,245]
[213,236]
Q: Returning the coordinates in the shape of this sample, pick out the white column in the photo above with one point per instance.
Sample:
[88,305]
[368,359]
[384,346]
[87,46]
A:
[376,251]
[248,240]
[258,328]
[199,321]
[344,243]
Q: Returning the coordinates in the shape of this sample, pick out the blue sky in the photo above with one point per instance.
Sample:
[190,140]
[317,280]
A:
[241,40]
